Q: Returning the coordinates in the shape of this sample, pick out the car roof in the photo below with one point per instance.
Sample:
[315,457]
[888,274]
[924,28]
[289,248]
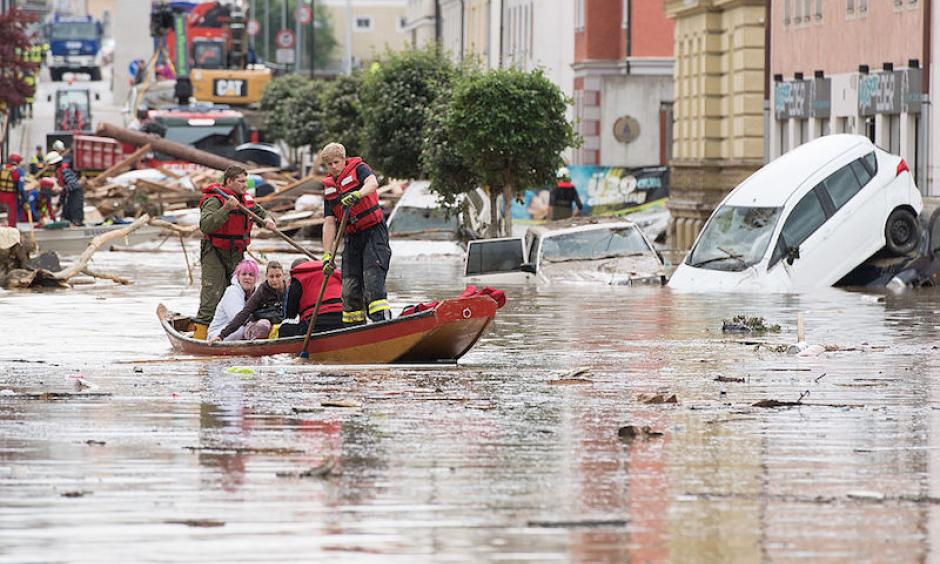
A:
[574,224]
[419,195]
[775,182]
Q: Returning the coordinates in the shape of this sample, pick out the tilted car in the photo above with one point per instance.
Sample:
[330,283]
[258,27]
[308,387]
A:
[806,220]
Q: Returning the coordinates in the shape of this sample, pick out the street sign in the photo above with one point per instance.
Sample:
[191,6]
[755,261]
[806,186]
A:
[304,14]
[284,56]
[253,27]
[285,39]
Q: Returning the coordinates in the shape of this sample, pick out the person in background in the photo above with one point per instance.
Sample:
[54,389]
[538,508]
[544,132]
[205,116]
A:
[73,207]
[306,279]
[236,294]
[38,162]
[12,196]
[564,195]
[263,310]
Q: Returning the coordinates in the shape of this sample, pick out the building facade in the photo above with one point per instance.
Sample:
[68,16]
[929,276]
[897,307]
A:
[364,29]
[623,82]
[718,127]
[851,67]
[420,24]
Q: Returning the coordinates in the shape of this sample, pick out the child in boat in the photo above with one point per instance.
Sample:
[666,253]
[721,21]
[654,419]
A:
[235,296]
[263,310]
[306,279]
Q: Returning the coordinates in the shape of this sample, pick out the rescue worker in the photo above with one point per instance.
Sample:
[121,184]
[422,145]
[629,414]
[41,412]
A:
[38,162]
[11,187]
[40,201]
[72,198]
[306,279]
[564,195]
[30,80]
[351,184]
[227,233]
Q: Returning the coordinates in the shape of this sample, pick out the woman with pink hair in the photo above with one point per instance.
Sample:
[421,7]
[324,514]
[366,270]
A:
[234,298]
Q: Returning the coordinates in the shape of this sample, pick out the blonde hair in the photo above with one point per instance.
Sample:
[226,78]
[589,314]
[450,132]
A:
[333,150]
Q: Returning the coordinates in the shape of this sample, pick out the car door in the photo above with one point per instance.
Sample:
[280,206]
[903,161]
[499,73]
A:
[805,231]
[496,261]
[858,221]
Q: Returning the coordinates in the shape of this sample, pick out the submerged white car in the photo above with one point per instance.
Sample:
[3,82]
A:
[420,226]
[806,220]
[585,250]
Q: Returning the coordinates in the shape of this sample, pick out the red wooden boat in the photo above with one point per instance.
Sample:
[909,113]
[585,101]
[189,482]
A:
[441,334]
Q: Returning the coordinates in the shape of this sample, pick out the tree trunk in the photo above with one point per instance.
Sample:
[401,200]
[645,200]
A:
[494,212]
[178,150]
[507,209]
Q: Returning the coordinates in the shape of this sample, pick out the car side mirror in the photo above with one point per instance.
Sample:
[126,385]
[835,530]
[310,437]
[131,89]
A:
[527,267]
[97,96]
[49,98]
[793,253]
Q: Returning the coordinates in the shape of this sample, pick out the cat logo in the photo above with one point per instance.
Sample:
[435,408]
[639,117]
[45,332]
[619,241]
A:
[225,87]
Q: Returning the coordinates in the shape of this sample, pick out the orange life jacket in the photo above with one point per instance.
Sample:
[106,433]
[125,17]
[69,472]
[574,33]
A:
[310,276]
[365,213]
[236,231]
[9,177]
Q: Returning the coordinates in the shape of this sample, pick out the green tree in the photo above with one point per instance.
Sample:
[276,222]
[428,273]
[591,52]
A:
[450,174]
[273,103]
[509,127]
[304,116]
[396,95]
[342,112]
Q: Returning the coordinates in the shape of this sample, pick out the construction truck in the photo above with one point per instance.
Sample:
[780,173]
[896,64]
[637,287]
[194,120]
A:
[209,47]
[75,43]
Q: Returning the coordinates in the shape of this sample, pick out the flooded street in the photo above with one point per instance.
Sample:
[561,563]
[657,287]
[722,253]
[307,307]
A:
[512,455]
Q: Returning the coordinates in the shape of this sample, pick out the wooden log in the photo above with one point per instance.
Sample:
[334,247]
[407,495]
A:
[106,276]
[118,167]
[96,244]
[178,150]
[181,229]
[289,188]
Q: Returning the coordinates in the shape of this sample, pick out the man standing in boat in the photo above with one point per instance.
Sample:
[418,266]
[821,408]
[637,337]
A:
[351,184]
[226,234]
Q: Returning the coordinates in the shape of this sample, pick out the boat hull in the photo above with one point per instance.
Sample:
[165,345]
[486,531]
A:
[74,240]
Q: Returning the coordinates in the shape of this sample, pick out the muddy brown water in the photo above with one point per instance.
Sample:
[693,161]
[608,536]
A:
[508,456]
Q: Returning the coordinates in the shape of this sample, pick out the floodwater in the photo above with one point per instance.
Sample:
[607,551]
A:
[504,457]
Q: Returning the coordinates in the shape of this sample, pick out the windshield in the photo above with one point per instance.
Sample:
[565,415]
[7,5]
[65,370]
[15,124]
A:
[735,238]
[66,98]
[193,135]
[410,220]
[594,244]
[75,31]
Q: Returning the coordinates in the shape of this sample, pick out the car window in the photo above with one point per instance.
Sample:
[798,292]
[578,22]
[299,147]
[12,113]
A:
[872,162]
[842,185]
[494,256]
[805,218]
[861,171]
[594,244]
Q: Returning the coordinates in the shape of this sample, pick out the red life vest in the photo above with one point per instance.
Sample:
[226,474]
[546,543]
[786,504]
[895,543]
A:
[236,231]
[310,276]
[9,177]
[365,213]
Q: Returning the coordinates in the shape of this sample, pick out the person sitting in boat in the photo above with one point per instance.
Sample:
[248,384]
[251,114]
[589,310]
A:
[263,310]
[306,279]
[227,230]
[234,298]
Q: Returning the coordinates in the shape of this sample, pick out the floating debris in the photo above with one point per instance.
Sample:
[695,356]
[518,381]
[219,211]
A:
[341,403]
[239,370]
[569,381]
[320,471]
[728,379]
[196,522]
[630,432]
[744,324]
[79,493]
[657,398]
[92,442]
[587,523]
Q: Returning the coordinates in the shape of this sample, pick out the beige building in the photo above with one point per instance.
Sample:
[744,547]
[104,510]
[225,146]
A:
[364,29]
[718,113]
[421,22]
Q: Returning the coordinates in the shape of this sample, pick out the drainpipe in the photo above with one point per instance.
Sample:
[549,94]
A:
[463,26]
[628,22]
[501,31]
[437,25]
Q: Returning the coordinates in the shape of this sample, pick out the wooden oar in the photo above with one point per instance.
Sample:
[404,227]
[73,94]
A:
[316,308]
[277,231]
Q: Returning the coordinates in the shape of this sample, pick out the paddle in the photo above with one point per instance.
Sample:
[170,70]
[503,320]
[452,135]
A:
[316,308]
[277,231]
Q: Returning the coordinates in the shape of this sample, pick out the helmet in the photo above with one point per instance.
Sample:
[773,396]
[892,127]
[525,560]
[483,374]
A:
[16,158]
[46,182]
[58,145]
[563,172]
[53,157]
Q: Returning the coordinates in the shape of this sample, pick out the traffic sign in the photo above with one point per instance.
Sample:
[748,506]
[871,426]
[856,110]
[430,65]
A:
[284,56]
[285,39]
[253,27]
[304,14]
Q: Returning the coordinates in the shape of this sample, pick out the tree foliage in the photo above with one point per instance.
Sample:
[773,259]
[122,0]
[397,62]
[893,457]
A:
[451,176]
[342,112]
[304,116]
[13,40]
[273,103]
[396,96]
[509,127]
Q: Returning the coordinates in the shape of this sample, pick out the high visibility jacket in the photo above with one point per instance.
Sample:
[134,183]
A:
[365,213]
[236,231]
[9,178]
[310,276]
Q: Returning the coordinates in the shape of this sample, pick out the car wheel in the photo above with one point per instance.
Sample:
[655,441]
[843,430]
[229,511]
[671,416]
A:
[95,74]
[902,232]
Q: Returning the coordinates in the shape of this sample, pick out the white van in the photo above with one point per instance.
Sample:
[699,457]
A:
[806,220]
[419,225]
